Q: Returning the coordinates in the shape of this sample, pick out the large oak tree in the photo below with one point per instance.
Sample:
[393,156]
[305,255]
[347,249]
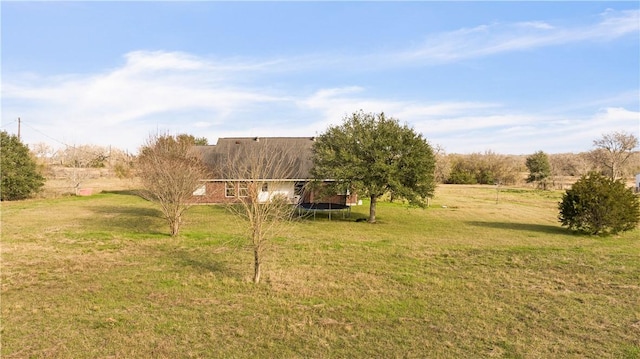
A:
[373,154]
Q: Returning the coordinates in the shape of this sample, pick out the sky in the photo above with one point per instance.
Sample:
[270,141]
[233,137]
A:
[507,77]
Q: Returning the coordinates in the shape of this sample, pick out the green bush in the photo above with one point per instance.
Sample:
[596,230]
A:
[20,177]
[596,204]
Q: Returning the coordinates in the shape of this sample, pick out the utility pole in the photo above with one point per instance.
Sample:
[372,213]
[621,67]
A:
[18,127]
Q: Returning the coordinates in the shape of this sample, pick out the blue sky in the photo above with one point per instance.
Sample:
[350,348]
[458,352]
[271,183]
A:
[509,77]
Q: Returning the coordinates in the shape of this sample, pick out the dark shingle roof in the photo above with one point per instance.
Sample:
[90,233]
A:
[296,151]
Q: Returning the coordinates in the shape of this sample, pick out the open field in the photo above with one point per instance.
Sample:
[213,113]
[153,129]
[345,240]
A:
[99,277]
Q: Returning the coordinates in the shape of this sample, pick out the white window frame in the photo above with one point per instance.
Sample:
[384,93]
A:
[229,187]
[243,189]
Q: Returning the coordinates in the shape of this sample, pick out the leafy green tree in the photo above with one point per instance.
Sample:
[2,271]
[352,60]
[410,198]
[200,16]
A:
[20,177]
[373,154]
[539,168]
[461,173]
[197,141]
[596,204]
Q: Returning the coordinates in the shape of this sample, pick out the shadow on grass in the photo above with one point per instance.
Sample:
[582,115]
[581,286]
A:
[127,192]
[528,227]
[326,216]
[127,219]
[194,259]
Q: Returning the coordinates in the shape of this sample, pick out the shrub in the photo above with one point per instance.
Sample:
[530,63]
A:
[20,177]
[599,205]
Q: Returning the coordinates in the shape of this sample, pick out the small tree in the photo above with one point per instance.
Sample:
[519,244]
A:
[170,171]
[260,199]
[373,154]
[20,177]
[613,150]
[539,168]
[599,205]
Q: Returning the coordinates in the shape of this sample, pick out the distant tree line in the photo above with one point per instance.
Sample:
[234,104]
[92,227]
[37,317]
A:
[610,157]
[480,168]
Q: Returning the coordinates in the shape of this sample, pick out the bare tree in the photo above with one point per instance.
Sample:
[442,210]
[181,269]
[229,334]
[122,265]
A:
[485,168]
[582,164]
[505,169]
[443,164]
[43,154]
[263,197]
[170,170]
[613,150]
[121,163]
[76,160]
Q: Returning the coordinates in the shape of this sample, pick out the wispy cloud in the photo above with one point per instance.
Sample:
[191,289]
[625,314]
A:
[494,38]
[507,131]
[149,81]
[157,88]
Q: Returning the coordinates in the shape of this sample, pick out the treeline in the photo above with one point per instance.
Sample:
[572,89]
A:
[56,163]
[475,168]
[493,168]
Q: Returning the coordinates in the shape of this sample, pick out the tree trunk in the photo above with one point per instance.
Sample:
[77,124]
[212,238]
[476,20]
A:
[372,209]
[256,266]
[175,227]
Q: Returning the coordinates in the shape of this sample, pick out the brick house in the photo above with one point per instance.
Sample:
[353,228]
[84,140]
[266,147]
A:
[273,165]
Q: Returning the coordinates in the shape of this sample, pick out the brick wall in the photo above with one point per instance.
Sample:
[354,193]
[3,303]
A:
[215,193]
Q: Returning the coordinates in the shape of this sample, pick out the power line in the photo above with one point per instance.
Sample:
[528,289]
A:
[61,142]
[47,136]
[7,124]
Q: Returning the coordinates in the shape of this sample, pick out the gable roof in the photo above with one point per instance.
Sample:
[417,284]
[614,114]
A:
[230,154]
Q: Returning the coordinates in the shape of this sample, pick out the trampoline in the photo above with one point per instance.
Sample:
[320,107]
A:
[324,207]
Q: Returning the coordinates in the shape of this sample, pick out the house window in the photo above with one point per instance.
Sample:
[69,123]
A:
[243,189]
[265,187]
[200,191]
[298,188]
[229,189]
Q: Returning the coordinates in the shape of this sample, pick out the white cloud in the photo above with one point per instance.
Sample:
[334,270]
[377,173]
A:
[149,86]
[491,39]
[527,133]
[151,61]
[540,25]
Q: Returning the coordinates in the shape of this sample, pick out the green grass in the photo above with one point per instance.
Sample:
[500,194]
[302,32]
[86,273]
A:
[99,277]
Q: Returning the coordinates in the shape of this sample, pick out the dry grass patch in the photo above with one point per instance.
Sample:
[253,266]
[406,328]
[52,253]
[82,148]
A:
[100,277]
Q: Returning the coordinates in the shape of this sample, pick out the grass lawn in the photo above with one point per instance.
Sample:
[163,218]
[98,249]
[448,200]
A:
[99,277]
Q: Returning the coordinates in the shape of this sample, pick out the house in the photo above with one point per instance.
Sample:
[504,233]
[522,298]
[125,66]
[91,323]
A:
[273,166]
